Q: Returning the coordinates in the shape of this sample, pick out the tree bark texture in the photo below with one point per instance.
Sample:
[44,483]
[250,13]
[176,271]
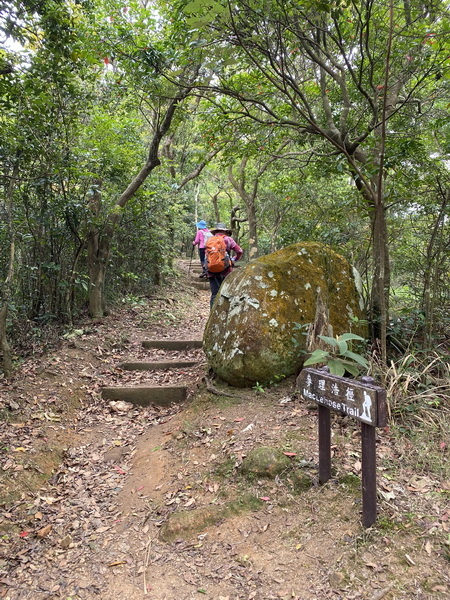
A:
[7,284]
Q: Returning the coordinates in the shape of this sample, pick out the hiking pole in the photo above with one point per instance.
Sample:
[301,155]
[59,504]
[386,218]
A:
[190,262]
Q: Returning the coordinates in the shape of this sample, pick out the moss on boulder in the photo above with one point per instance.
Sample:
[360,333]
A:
[255,332]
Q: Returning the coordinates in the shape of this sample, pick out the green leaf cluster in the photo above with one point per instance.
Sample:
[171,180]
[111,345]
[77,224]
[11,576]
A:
[339,359]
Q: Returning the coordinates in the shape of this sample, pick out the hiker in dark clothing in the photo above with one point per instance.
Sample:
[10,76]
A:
[216,278]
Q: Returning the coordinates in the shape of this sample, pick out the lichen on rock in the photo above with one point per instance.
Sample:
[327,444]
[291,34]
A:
[255,332]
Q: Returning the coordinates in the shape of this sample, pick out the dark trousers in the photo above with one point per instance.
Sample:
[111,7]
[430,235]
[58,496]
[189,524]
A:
[201,253]
[215,283]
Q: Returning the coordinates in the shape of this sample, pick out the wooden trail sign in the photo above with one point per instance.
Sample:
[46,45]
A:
[360,399]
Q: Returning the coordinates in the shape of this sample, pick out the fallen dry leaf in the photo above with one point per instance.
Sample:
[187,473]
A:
[44,531]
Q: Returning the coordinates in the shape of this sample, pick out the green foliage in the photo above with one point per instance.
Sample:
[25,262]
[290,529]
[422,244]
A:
[259,388]
[82,87]
[339,359]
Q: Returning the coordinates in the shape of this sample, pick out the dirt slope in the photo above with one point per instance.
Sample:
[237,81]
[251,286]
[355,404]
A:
[119,476]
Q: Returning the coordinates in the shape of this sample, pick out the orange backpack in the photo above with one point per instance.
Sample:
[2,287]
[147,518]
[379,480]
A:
[216,254]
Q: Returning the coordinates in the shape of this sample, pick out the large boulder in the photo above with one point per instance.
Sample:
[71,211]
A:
[268,314]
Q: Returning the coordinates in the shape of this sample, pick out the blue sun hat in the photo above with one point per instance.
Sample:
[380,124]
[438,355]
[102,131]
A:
[202,225]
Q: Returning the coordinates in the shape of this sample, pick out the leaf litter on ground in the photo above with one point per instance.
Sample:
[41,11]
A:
[72,535]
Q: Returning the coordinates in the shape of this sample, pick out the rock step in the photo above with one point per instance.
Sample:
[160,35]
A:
[145,395]
[172,344]
[161,365]
[200,285]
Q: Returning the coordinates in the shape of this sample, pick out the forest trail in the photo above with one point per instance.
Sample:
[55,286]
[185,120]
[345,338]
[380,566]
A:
[93,531]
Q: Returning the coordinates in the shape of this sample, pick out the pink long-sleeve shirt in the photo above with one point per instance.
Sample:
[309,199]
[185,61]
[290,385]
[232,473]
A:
[200,238]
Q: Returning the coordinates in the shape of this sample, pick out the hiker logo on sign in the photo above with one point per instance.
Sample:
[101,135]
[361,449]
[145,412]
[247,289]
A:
[366,406]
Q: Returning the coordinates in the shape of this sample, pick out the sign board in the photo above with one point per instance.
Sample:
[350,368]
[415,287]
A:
[359,399]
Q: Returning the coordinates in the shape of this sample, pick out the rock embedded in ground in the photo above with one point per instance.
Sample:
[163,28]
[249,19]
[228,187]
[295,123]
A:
[186,523]
[256,329]
[265,462]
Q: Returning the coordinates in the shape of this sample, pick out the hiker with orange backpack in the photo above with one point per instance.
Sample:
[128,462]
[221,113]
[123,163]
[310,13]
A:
[218,260]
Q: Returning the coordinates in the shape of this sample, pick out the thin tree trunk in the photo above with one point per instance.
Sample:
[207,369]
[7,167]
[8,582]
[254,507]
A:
[431,272]
[249,200]
[98,251]
[216,207]
[381,278]
[69,299]
[4,344]
[99,242]
[7,284]
[253,248]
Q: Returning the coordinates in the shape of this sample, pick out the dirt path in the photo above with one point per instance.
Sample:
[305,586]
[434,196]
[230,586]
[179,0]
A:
[94,530]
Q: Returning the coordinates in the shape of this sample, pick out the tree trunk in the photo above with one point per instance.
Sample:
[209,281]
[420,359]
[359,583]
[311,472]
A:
[431,272]
[216,207]
[381,277]
[99,241]
[98,251]
[6,291]
[235,223]
[98,254]
[249,200]
[69,300]
[253,249]
[4,345]
[372,192]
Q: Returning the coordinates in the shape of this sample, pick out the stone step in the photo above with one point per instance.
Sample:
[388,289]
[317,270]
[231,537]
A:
[146,395]
[159,365]
[172,344]
[200,285]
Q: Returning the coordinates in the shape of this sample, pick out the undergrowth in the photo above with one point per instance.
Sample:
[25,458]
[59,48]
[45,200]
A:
[418,386]
[418,403]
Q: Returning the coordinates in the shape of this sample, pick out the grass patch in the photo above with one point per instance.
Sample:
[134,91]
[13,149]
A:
[300,481]
[225,470]
[246,502]
[386,524]
[350,482]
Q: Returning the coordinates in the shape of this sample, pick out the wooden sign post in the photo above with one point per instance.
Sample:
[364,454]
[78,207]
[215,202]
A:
[360,399]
